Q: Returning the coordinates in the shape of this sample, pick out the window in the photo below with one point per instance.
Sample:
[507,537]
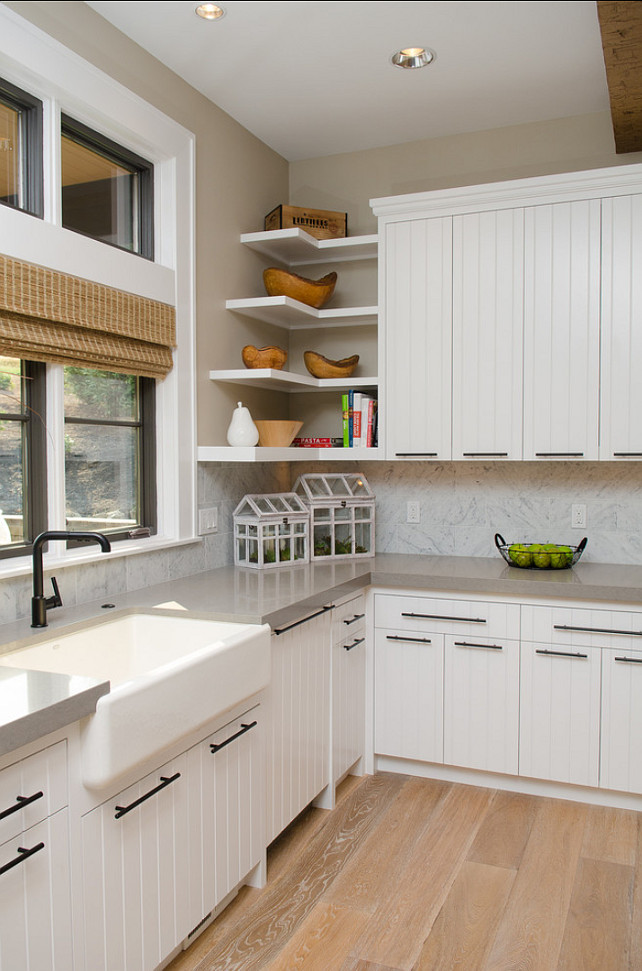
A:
[20,150]
[107,191]
[109,451]
[22,453]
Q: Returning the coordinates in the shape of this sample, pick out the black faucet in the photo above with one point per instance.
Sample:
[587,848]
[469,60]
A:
[39,603]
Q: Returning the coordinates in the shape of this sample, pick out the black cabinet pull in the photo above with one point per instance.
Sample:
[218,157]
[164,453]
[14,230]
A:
[487,647]
[561,654]
[461,620]
[348,647]
[354,619]
[165,781]
[24,855]
[21,802]
[429,455]
[599,630]
[630,660]
[411,640]
[243,729]
[624,455]
[487,455]
[324,610]
[559,455]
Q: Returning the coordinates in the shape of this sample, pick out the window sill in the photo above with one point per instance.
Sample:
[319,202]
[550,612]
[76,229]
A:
[22,565]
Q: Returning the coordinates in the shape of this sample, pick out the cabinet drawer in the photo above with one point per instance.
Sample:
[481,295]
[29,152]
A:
[447,616]
[577,627]
[348,618]
[32,789]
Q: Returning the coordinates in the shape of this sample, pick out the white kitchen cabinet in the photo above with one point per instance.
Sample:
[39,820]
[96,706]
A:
[297,713]
[621,388]
[481,703]
[417,323]
[136,865]
[562,330]
[409,695]
[35,898]
[348,686]
[620,761]
[559,737]
[227,779]
[488,313]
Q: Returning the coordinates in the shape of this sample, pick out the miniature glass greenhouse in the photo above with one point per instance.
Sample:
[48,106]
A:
[342,513]
[271,530]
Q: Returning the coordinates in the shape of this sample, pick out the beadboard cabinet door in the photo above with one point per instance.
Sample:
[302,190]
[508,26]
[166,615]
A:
[620,762]
[481,703]
[409,695]
[348,686]
[561,330]
[35,898]
[297,716]
[136,873]
[621,387]
[559,735]
[488,314]
[417,324]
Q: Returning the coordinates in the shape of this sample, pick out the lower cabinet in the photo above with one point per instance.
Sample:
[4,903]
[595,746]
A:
[559,736]
[348,686]
[35,898]
[160,856]
[620,762]
[297,719]
[136,873]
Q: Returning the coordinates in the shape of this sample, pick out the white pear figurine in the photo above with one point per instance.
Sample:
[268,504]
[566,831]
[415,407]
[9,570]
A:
[242,430]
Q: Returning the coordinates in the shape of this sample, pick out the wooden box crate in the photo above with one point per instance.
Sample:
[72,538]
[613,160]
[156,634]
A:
[320,223]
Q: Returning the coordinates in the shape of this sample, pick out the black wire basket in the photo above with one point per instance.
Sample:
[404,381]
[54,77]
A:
[523,556]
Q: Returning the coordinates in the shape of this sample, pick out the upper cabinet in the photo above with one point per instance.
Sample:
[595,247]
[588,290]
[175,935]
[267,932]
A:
[562,330]
[512,319]
[621,388]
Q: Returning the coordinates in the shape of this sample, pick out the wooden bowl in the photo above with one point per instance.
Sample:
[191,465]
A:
[277,434]
[281,283]
[321,367]
[272,357]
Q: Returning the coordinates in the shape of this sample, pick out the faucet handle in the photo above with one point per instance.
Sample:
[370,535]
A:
[56,600]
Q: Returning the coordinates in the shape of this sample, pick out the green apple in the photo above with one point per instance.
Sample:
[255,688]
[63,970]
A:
[519,555]
[541,558]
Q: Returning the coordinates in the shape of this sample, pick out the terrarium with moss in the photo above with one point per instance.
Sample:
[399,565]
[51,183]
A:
[271,530]
[342,514]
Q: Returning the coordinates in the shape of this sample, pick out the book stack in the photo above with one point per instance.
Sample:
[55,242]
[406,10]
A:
[359,420]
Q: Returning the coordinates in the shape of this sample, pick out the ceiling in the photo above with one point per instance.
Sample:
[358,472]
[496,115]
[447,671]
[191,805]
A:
[313,79]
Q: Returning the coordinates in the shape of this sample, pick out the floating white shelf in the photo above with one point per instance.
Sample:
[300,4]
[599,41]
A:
[275,380]
[225,453]
[295,246]
[294,315]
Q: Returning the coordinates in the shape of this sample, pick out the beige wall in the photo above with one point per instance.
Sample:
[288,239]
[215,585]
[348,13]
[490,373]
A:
[347,182]
[238,180]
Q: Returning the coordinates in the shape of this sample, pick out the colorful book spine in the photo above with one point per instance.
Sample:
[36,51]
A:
[345,420]
[350,418]
[356,419]
[322,442]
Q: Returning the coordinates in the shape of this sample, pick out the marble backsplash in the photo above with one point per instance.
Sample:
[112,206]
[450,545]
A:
[462,506]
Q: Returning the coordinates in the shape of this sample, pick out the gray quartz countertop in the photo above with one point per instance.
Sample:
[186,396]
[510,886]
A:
[278,597]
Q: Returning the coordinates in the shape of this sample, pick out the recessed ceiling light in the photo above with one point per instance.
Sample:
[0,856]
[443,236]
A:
[209,11]
[411,57]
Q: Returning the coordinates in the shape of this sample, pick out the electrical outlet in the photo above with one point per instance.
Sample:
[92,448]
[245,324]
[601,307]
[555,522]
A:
[578,515]
[207,521]
[413,513]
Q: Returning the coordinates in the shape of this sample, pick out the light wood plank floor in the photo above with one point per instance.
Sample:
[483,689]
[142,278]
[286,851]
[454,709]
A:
[410,874]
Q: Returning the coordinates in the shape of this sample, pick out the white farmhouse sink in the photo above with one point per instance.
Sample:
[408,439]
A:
[169,675]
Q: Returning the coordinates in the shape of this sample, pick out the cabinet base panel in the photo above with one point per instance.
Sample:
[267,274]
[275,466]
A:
[511,783]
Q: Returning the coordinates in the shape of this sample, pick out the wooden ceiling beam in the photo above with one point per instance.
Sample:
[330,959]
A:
[621,29]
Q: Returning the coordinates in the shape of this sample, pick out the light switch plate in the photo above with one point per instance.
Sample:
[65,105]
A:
[207,521]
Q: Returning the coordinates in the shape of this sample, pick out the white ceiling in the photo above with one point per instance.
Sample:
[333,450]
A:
[313,79]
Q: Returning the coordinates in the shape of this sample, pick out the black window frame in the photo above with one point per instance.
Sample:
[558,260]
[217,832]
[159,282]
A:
[94,141]
[145,423]
[34,456]
[31,152]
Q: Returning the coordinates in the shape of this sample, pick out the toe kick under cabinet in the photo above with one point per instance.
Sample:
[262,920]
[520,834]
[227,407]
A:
[545,692]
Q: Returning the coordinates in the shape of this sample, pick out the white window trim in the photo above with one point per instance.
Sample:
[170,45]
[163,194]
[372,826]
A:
[65,82]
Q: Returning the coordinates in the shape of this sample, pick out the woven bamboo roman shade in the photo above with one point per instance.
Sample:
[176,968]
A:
[50,316]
